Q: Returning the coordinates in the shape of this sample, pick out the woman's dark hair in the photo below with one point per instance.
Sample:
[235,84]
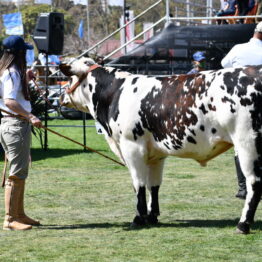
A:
[17,58]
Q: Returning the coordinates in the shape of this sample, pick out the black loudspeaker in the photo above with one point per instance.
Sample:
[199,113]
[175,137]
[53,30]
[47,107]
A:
[49,33]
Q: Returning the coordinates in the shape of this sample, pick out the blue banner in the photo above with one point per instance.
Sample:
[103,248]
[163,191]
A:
[81,29]
[13,24]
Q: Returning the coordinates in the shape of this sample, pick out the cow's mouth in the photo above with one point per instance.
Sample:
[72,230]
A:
[61,100]
[65,100]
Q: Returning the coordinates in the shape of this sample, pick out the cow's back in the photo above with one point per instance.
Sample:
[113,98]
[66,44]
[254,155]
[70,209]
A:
[188,115]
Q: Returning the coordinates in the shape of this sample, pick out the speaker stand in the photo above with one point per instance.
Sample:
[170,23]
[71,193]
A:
[84,128]
[46,99]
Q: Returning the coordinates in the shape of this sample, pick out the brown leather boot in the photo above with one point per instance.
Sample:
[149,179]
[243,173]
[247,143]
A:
[12,193]
[22,217]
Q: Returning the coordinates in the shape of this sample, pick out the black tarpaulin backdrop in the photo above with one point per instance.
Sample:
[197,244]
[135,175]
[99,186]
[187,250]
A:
[175,45]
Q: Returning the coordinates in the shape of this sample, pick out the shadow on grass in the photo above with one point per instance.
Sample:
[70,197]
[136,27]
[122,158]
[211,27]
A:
[40,154]
[84,226]
[208,223]
[175,224]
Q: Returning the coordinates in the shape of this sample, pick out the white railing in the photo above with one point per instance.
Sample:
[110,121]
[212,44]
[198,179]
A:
[166,18]
[119,29]
[133,39]
[115,32]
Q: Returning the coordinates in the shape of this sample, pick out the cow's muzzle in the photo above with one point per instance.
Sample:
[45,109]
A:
[62,100]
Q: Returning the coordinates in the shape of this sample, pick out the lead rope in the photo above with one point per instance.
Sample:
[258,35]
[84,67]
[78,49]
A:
[86,147]
[68,138]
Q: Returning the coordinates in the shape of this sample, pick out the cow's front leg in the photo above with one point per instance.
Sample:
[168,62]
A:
[134,154]
[254,191]
[153,184]
[141,207]
[153,205]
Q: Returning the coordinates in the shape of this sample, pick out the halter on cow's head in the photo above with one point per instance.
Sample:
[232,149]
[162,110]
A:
[77,71]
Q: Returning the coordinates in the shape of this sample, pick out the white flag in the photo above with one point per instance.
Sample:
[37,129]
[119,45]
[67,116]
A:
[80,2]
[47,2]
[149,33]
[116,2]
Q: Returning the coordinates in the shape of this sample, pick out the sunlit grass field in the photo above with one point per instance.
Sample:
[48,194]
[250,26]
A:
[86,203]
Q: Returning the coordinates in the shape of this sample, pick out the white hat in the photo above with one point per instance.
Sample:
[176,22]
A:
[258,28]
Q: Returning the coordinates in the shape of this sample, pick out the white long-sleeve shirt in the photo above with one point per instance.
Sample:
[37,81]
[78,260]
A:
[249,53]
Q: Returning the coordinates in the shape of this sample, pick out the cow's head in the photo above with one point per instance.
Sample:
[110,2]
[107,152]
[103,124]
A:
[76,96]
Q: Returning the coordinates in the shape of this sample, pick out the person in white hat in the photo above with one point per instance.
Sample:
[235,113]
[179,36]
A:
[240,55]
[249,53]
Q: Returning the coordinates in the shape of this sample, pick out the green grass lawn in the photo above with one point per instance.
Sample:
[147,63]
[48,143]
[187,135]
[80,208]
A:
[86,203]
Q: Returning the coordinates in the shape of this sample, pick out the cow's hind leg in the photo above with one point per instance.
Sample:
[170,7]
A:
[251,165]
[153,185]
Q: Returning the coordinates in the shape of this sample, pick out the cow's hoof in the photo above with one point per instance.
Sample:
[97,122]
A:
[243,228]
[138,222]
[152,220]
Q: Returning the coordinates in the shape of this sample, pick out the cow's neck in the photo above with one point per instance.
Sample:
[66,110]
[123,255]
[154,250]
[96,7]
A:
[105,98]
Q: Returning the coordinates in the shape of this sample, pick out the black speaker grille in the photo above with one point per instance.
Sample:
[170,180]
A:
[49,33]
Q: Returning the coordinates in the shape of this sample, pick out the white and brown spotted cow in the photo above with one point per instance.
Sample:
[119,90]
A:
[197,116]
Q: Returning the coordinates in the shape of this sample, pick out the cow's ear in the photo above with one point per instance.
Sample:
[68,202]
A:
[65,69]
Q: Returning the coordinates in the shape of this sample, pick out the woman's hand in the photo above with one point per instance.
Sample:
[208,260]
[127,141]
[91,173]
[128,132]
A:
[35,121]
[30,75]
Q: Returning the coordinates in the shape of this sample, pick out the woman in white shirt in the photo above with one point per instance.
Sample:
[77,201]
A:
[15,133]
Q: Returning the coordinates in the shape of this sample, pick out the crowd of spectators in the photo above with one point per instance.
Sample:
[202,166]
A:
[238,8]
